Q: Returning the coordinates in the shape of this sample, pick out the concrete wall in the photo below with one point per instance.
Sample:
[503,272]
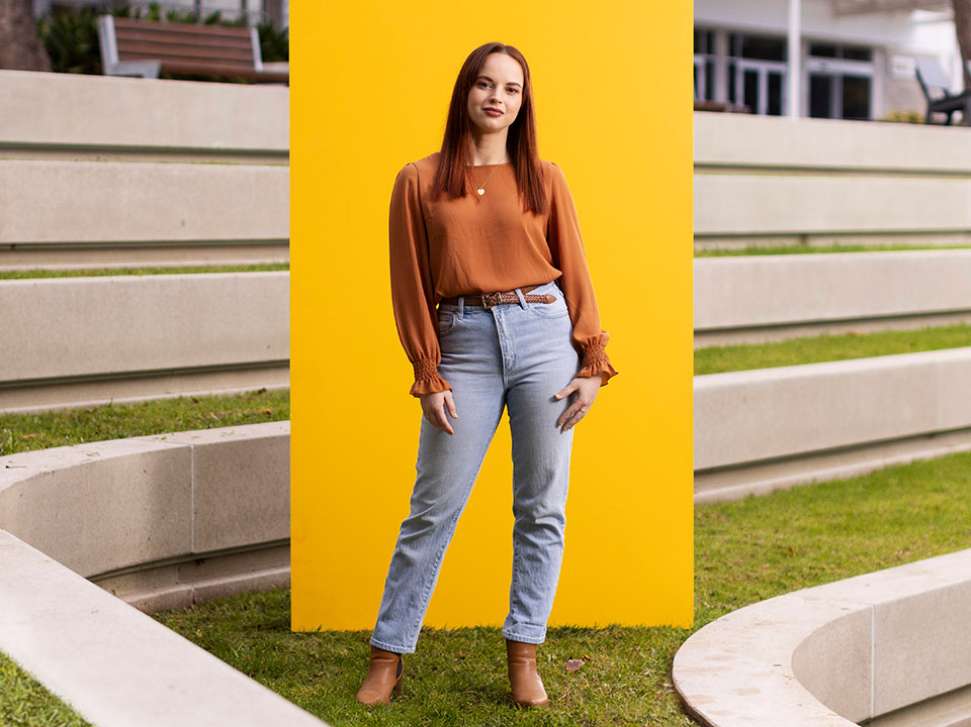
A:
[758,298]
[83,340]
[770,180]
[764,429]
[107,171]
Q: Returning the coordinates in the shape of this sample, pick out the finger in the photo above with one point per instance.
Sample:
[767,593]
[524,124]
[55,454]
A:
[576,416]
[450,402]
[568,414]
[565,391]
[442,421]
[565,414]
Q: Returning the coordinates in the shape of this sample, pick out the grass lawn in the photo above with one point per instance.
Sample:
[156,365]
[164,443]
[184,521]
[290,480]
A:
[838,347]
[812,250]
[159,270]
[43,430]
[25,703]
[745,551]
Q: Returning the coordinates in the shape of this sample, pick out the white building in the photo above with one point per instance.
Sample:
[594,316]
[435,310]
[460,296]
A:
[856,58]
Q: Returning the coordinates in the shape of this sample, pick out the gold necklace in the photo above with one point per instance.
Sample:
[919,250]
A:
[480,189]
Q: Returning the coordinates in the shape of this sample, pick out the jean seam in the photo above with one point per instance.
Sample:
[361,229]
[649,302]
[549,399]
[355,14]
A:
[516,564]
[429,577]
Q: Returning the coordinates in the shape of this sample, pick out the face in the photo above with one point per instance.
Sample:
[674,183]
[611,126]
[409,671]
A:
[498,86]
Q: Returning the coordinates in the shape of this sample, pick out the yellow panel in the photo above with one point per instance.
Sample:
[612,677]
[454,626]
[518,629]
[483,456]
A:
[370,87]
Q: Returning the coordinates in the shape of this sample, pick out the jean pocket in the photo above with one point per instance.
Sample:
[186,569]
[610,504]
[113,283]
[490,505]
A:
[446,322]
[556,309]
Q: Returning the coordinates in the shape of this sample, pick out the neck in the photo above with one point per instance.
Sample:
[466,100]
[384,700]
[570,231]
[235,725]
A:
[489,149]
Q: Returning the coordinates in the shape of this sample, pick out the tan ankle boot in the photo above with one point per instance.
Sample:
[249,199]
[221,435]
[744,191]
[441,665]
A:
[527,686]
[383,679]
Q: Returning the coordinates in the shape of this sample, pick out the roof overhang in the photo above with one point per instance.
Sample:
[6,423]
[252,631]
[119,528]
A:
[861,7]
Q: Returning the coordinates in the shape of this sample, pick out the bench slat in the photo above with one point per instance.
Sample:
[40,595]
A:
[143,51]
[164,26]
[137,36]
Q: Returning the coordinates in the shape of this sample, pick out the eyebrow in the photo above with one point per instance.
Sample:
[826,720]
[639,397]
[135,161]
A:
[514,83]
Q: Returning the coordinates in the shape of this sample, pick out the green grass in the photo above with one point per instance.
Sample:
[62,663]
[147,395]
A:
[812,250]
[837,347]
[25,703]
[745,551]
[157,270]
[26,432]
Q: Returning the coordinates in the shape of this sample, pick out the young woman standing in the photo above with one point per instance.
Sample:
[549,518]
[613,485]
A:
[495,309]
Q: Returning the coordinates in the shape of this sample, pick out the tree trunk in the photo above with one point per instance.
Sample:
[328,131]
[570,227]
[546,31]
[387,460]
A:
[962,25]
[20,47]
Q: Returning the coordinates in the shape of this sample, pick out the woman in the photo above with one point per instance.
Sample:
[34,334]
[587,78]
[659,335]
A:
[487,231]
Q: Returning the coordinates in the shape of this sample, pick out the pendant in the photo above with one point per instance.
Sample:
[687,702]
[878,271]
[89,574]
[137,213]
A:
[481,191]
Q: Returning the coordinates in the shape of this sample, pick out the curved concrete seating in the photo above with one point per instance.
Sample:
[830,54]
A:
[142,337]
[890,646]
[160,521]
[755,298]
[764,429]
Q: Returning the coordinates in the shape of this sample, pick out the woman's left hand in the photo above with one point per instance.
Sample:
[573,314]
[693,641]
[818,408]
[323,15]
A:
[586,388]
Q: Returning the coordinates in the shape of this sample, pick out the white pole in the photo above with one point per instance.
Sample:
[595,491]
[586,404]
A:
[795,70]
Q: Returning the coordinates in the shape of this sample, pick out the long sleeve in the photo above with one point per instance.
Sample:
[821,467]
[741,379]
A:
[412,289]
[566,246]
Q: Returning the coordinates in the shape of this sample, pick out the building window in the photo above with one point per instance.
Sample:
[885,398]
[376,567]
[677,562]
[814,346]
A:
[840,81]
[757,72]
[704,64]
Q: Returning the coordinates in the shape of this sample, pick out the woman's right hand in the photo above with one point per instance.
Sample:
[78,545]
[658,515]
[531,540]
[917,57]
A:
[433,407]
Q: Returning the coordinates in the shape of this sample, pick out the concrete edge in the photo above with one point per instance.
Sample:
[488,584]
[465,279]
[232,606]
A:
[743,668]
[114,664]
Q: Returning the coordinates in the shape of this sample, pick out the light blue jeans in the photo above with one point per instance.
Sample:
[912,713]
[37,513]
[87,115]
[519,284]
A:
[515,355]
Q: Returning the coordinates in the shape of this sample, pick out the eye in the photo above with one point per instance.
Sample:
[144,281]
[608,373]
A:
[513,90]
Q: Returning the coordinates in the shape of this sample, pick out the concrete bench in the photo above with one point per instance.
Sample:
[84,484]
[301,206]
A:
[893,642]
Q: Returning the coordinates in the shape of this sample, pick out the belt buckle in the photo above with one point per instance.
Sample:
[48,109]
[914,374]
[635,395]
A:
[493,298]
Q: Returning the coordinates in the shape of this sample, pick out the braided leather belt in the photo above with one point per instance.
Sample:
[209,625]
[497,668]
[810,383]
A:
[489,300]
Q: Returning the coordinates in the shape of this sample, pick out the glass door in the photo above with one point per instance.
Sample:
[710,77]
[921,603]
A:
[760,85]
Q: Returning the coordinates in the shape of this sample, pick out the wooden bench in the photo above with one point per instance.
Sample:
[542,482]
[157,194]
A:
[145,48]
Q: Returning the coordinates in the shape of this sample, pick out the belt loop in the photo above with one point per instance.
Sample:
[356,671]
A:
[461,306]
[522,299]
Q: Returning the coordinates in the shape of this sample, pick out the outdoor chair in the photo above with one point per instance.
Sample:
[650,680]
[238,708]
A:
[144,48]
[930,75]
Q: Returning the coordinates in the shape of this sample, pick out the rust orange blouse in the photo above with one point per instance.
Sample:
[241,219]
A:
[481,244]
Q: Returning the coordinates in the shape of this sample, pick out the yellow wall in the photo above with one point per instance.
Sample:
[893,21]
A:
[370,85]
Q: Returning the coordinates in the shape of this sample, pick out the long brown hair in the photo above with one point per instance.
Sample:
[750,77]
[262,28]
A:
[520,142]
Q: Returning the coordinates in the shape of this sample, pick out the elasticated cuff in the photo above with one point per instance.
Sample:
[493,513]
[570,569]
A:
[595,360]
[427,379]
